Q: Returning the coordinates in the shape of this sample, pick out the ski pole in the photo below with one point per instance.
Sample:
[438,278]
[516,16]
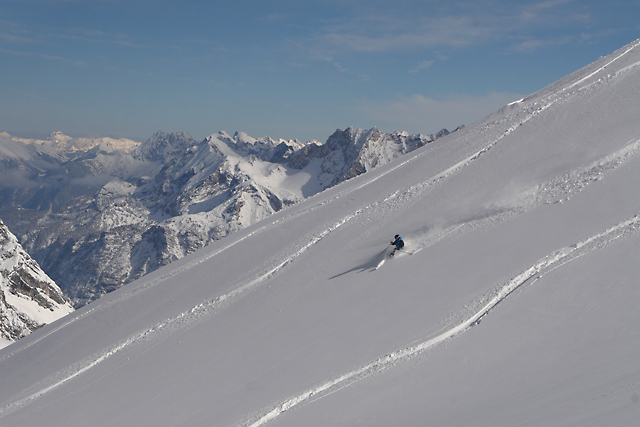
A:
[385,249]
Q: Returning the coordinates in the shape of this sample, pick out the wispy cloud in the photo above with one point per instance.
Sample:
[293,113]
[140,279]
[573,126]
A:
[392,29]
[422,66]
[534,44]
[27,53]
[391,33]
[7,37]
[17,34]
[533,11]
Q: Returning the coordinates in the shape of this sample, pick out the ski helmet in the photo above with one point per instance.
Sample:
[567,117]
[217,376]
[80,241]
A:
[397,235]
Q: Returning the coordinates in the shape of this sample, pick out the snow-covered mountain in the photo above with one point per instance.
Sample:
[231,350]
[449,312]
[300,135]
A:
[517,306]
[29,299]
[67,145]
[98,214]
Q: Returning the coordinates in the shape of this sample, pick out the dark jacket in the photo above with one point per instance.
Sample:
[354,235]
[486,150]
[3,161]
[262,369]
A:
[398,242]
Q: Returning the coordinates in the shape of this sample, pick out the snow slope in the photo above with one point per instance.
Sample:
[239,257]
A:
[518,306]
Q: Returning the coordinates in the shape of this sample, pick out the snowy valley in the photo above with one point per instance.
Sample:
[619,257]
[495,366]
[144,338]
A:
[516,303]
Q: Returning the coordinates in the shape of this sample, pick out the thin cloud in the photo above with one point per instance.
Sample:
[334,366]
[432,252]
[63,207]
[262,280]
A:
[8,37]
[399,34]
[13,33]
[396,29]
[536,8]
[16,34]
[422,66]
[531,45]
[27,53]
[552,14]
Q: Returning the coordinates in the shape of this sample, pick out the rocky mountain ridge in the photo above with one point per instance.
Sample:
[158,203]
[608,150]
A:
[29,299]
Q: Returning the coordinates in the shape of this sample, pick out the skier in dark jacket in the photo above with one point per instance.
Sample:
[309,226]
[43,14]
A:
[398,242]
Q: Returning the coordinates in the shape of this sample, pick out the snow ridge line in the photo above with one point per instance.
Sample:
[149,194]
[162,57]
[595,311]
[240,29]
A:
[547,104]
[633,46]
[468,160]
[548,263]
[548,101]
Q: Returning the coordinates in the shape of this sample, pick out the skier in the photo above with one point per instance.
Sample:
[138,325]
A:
[398,242]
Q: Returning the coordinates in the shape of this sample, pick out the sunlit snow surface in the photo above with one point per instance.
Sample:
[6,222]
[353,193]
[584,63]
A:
[518,305]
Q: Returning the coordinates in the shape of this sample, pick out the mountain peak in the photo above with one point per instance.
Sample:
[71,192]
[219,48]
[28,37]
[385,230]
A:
[163,145]
[59,137]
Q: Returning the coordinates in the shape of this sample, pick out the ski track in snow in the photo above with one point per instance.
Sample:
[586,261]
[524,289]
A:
[633,46]
[182,320]
[533,273]
[552,189]
[556,190]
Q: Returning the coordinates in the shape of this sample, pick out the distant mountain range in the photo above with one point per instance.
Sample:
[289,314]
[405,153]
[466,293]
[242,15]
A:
[99,213]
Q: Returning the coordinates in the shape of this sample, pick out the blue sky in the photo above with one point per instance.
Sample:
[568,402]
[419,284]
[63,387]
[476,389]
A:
[287,69]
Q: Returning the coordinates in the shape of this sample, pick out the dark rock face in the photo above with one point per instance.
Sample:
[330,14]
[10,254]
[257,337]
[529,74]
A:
[28,297]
